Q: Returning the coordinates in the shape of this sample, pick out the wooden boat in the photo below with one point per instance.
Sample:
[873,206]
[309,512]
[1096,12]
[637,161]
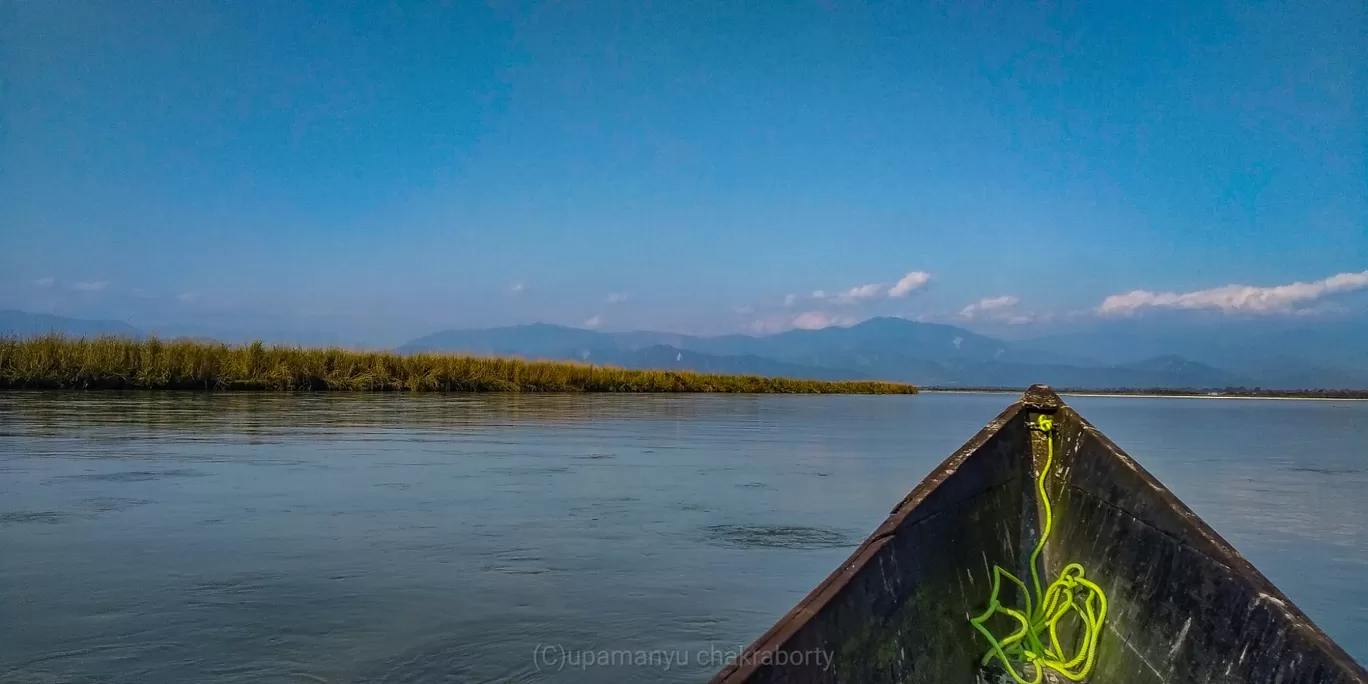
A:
[1184,606]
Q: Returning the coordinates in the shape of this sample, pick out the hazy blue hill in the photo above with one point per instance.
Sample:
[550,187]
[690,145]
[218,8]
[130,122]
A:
[727,345]
[1176,371]
[892,349]
[1278,354]
[627,350]
[1241,345]
[889,348]
[671,358]
[1127,353]
[536,341]
[198,334]
[1339,344]
[1169,372]
[269,334]
[1301,375]
[930,341]
[640,339]
[895,337]
[23,324]
[1164,352]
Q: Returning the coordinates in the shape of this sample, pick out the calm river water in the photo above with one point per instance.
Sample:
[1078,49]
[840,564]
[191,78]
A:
[348,538]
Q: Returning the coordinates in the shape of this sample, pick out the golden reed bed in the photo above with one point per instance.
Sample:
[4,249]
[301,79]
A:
[59,362]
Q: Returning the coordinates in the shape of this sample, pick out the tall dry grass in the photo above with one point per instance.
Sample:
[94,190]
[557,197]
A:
[58,362]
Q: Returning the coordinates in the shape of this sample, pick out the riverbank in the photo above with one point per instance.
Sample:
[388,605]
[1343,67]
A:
[58,362]
[1240,393]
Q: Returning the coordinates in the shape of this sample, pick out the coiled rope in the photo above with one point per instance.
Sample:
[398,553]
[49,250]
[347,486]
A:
[1070,593]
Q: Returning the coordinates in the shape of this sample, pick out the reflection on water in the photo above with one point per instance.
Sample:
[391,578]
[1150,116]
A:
[1273,477]
[781,537]
[442,538]
[31,517]
[203,416]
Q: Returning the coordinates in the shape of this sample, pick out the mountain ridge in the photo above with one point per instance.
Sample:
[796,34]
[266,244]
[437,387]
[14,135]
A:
[892,349]
[23,323]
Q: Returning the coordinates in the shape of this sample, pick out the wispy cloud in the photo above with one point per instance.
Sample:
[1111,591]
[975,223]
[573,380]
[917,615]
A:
[771,324]
[1237,298]
[48,281]
[90,286]
[188,297]
[517,288]
[618,297]
[864,293]
[815,304]
[743,309]
[593,321]
[989,305]
[808,320]
[909,283]
[814,320]
[853,295]
[996,308]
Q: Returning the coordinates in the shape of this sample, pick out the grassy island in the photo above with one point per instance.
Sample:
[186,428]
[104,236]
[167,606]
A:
[58,362]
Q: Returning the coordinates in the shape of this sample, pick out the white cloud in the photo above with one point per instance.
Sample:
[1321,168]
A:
[863,293]
[618,297]
[813,320]
[999,310]
[517,288]
[1236,298]
[45,282]
[90,286]
[854,295]
[593,321]
[765,326]
[808,320]
[989,306]
[908,283]
[857,294]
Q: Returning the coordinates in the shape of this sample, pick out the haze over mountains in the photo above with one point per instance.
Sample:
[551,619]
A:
[1136,354]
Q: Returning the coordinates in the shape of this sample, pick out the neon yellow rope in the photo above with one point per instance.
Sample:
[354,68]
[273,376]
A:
[1069,593]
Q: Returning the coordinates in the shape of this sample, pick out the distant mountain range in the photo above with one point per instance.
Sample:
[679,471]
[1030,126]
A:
[895,349]
[23,324]
[929,354]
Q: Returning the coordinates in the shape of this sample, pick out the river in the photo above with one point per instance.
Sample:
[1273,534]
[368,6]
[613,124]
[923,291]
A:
[187,537]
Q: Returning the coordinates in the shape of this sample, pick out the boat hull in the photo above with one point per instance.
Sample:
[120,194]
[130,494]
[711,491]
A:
[1184,606]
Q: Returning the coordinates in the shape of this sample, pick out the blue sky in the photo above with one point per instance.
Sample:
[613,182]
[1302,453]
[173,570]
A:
[390,170]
